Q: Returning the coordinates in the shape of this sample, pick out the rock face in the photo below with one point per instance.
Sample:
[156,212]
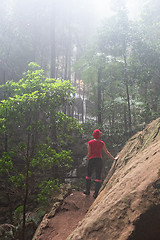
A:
[128,206]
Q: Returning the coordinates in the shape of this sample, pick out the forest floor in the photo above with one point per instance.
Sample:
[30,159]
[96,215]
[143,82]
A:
[73,210]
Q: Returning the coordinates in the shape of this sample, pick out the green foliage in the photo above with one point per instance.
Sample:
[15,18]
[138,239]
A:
[18,214]
[47,189]
[18,181]
[6,163]
[36,216]
[67,127]
[46,157]
[36,136]
[2,125]
[34,104]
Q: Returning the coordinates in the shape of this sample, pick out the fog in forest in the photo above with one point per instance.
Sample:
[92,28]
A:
[95,44]
[68,67]
[33,30]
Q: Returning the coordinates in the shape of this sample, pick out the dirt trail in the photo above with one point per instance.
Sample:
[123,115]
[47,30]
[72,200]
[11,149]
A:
[73,210]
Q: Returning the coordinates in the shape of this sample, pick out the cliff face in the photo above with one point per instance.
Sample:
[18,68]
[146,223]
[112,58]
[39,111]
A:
[128,206]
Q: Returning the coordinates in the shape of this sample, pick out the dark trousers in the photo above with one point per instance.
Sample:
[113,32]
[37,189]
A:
[94,164]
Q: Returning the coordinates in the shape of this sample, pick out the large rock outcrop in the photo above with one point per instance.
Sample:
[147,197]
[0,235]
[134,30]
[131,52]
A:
[128,206]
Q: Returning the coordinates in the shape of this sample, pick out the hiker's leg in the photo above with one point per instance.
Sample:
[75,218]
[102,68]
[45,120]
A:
[88,185]
[97,187]
[98,177]
[88,177]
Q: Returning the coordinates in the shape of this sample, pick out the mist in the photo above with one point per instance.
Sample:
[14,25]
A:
[34,30]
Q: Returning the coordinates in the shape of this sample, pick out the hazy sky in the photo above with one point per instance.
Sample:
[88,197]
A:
[103,10]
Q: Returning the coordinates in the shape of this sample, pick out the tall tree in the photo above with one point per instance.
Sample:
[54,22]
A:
[115,40]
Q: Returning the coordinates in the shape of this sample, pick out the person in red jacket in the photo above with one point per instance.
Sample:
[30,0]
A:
[95,148]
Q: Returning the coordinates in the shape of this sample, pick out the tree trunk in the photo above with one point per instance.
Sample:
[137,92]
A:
[67,70]
[99,97]
[147,109]
[26,187]
[53,44]
[83,105]
[128,97]
[125,120]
